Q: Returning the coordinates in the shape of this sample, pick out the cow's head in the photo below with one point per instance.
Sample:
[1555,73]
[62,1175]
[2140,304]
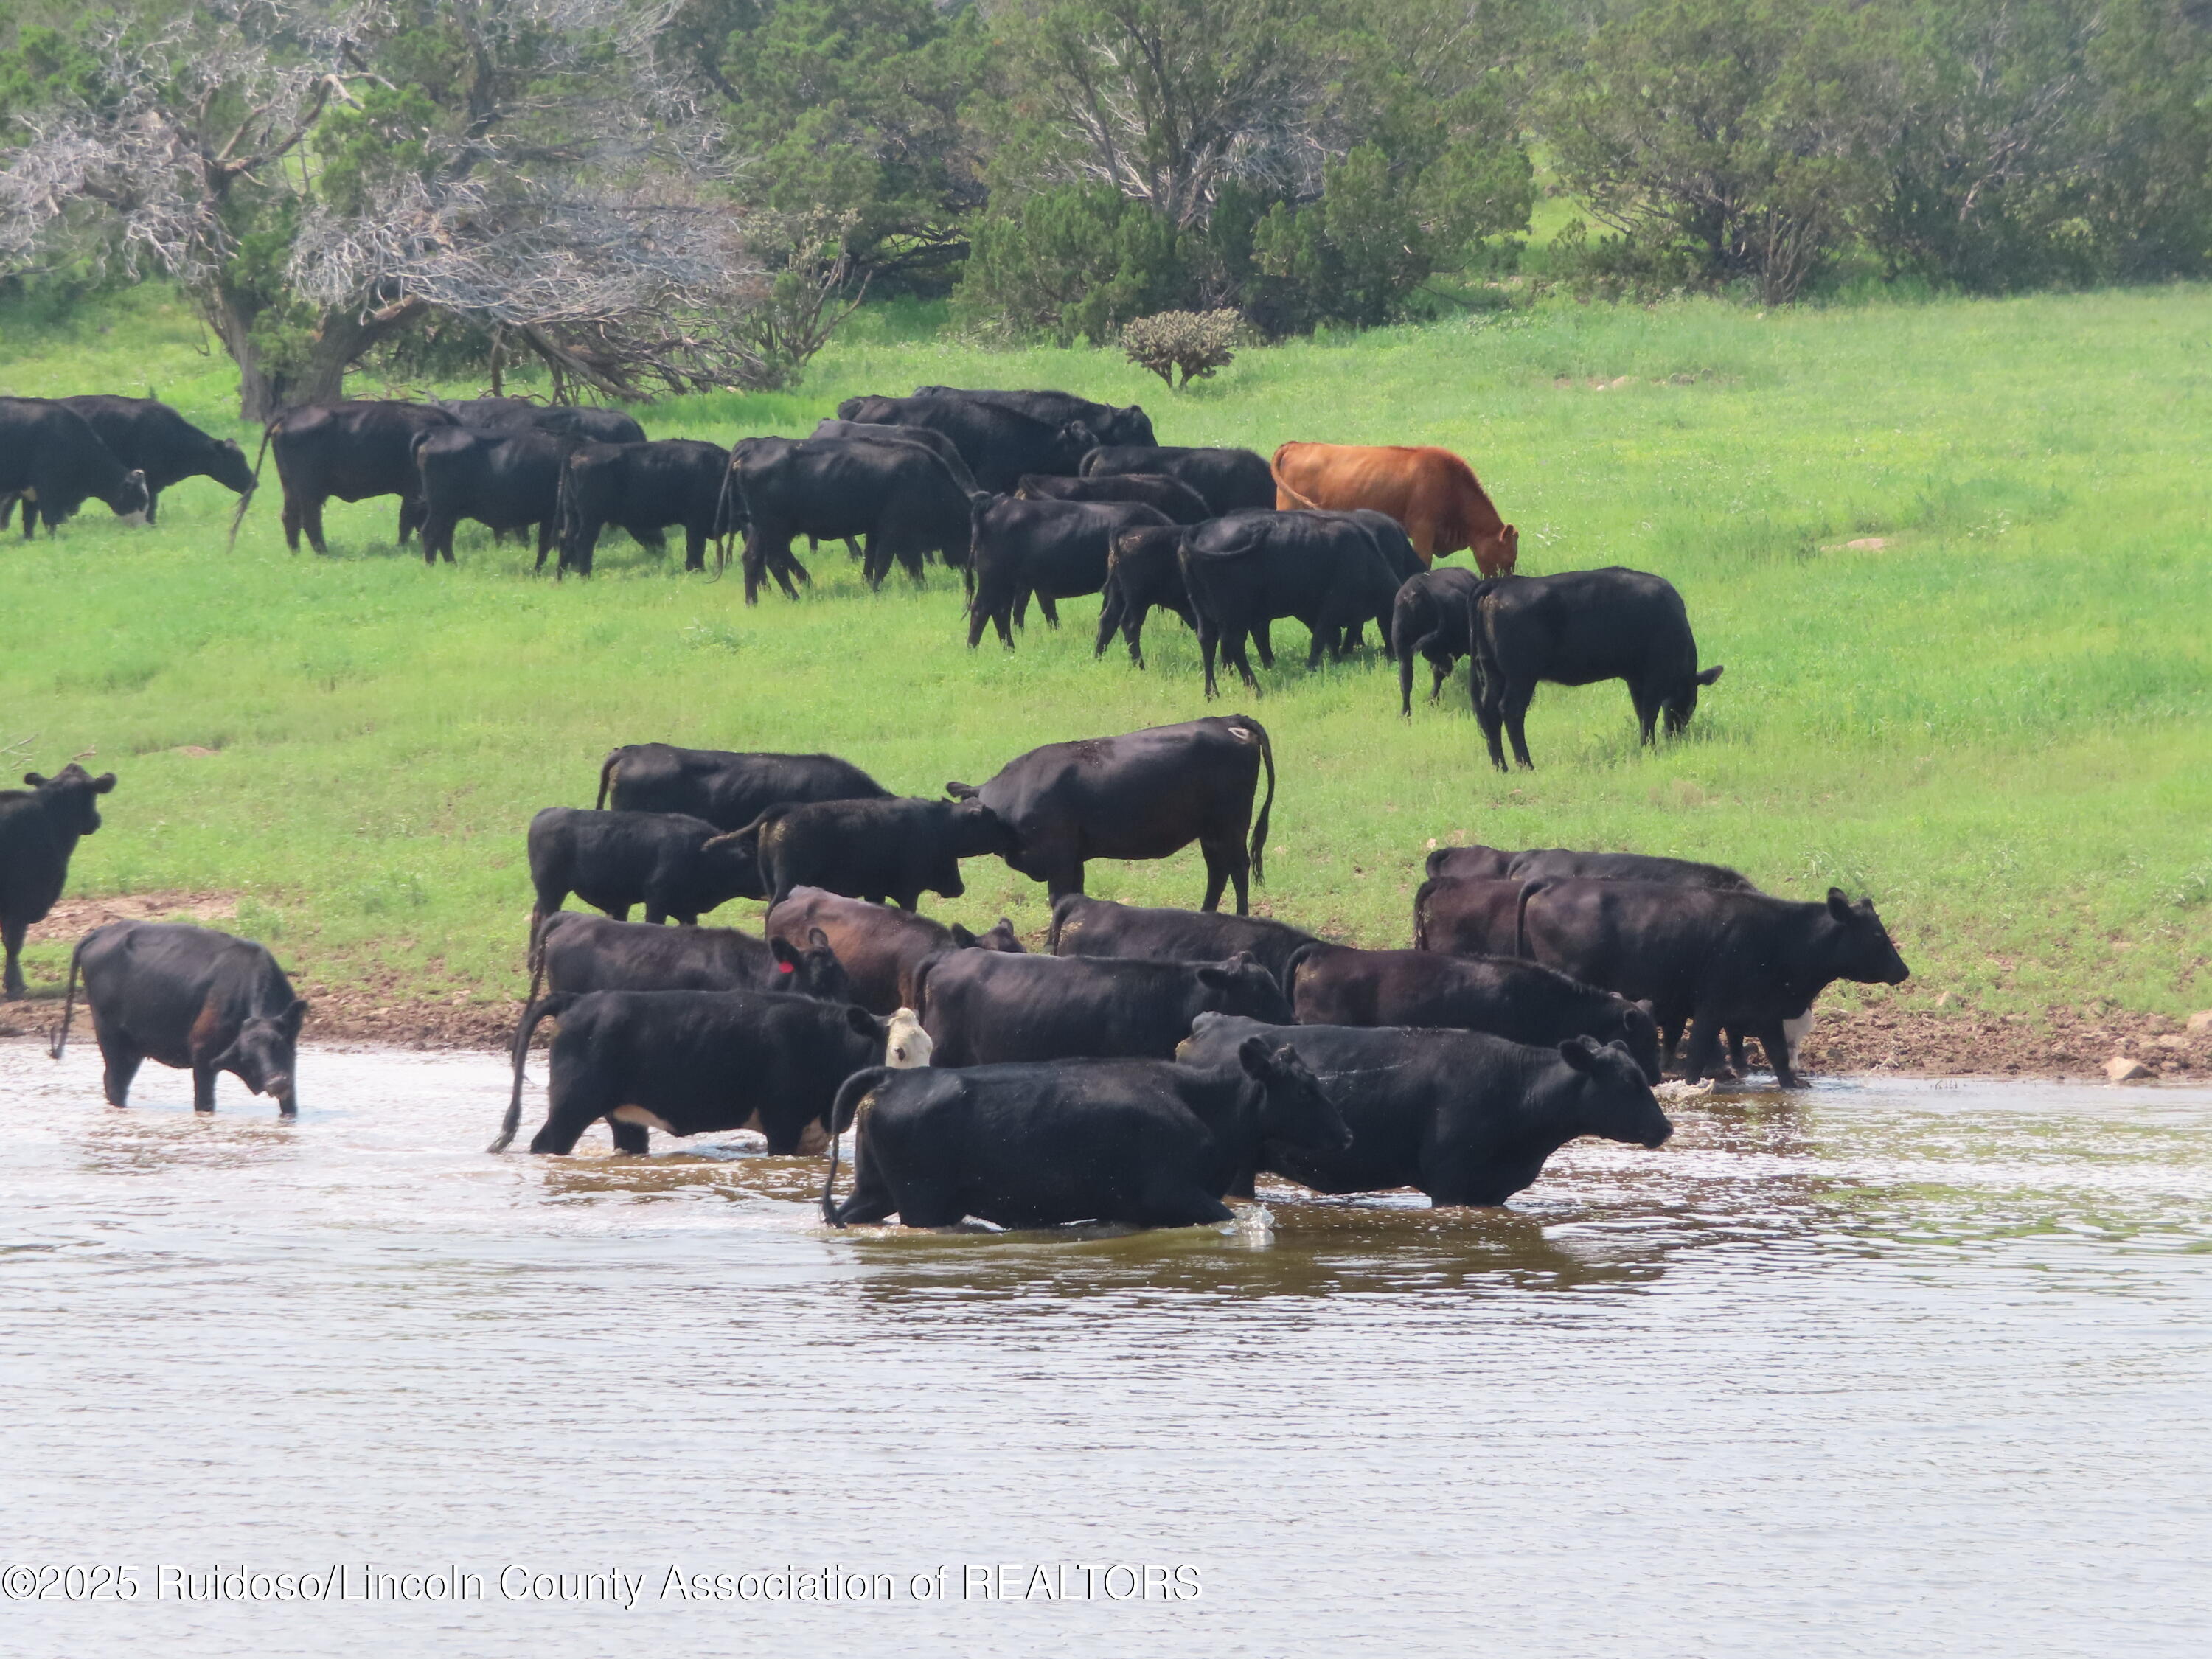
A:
[975,831]
[1496,555]
[1001,938]
[1636,1029]
[227,465]
[1684,703]
[906,1045]
[814,971]
[731,864]
[1293,1109]
[265,1052]
[69,797]
[129,495]
[1241,985]
[1615,1099]
[1861,949]
[1129,426]
[1073,441]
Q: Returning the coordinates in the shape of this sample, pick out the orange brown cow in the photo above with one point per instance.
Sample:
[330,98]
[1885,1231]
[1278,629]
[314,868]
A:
[1431,491]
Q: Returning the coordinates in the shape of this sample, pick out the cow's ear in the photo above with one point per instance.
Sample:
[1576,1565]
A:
[104,783]
[1252,1054]
[818,939]
[1839,906]
[782,950]
[1211,976]
[962,791]
[294,1016]
[1707,677]
[963,938]
[36,780]
[1647,1007]
[865,1022]
[1581,1053]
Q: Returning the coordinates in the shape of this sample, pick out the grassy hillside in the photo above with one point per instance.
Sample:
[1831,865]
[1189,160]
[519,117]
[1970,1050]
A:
[1994,720]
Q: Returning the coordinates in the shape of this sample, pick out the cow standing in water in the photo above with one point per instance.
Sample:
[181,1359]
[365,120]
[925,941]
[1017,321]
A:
[1431,491]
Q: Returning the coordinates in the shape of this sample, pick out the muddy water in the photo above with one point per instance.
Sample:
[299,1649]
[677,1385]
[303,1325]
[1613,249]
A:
[1894,1369]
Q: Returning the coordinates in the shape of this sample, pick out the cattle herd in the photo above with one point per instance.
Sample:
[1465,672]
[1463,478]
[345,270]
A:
[1034,496]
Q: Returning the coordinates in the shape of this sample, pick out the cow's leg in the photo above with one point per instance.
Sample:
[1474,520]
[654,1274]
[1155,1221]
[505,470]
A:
[632,1137]
[654,915]
[1175,1202]
[1775,1041]
[1704,1057]
[753,559]
[1647,716]
[120,1060]
[1051,612]
[11,942]
[203,1076]
[544,540]
[1670,1038]
[1513,707]
[1209,639]
[1226,862]
[578,1099]
[872,1199]
[153,502]
[694,548]
[433,529]
[1263,641]
[1233,651]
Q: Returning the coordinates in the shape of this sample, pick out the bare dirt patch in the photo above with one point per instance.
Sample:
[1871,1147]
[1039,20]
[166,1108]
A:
[72,919]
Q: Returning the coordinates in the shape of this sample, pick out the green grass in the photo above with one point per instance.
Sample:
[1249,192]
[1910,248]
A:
[1999,724]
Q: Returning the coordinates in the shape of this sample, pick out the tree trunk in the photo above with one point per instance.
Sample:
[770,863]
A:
[260,394]
[339,343]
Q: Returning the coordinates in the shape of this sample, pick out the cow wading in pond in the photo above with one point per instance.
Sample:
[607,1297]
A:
[189,998]
[39,828]
[1144,794]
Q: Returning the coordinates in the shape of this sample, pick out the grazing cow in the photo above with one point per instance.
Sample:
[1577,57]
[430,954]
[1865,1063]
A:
[352,451]
[982,1006]
[895,849]
[508,480]
[999,445]
[39,831]
[146,436]
[1051,549]
[1748,961]
[673,865]
[1144,794]
[1084,927]
[691,1063]
[1113,424]
[1576,628]
[578,422]
[53,459]
[1465,1117]
[900,496]
[643,488]
[1496,864]
[1338,985]
[1432,616]
[1431,491]
[1145,1143]
[1182,504]
[880,948]
[191,998]
[1243,571]
[728,788]
[935,442]
[1229,480]
[579,952]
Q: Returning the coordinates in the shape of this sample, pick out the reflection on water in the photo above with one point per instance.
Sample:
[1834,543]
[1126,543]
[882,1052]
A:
[1918,1367]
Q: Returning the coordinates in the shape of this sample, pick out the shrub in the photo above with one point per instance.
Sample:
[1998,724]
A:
[1196,342]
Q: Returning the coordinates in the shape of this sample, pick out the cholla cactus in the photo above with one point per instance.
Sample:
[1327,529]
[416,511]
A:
[1196,342]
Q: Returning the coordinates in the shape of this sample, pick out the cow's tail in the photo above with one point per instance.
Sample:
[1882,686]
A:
[1528,890]
[68,1005]
[1478,669]
[848,1108]
[1297,960]
[1275,471]
[607,775]
[722,516]
[914,982]
[1405,633]
[535,1010]
[567,515]
[246,501]
[1422,894]
[1260,824]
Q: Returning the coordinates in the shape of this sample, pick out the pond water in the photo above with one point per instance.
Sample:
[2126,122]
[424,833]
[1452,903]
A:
[1891,1368]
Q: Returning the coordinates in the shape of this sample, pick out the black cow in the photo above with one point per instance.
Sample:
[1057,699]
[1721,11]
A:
[692,1062]
[895,849]
[1431,617]
[1230,480]
[352,451]
[1494,863]
[982,1006]
[673,865]
[39,831]
[1468,915]
[1182,504]
[880,948]
[1398,553]
[53,459]
[642,487]
[1243,571]
[1113,424]
[1144,568]
[900,496]
[508,480]
[1576,628]
[146,436]
[1147,1143]
[728,788]
[999,445]
[1084,927]
[191,998]
[1051,549]
[1144,794]
[579,952]
[1745,961]
[1339,985]
[579,423]
[935,442]
[1465,1117]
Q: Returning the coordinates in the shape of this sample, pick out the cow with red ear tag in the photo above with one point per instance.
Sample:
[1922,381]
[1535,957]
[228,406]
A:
[39,830]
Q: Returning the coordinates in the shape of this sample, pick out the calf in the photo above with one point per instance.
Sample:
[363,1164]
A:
[1465,1117]
[506,480]
[51,458]
[1492,863]
[981,1007]
[1052,549]
[148,436]
[1338,985]
[1085,926]
[351,451]
[1228,480]
[1145,1143]
[577,952]
[880,948]
[673,865]
[726,788]
[1431,617]
[692,1062]
[1748,962]
[1324,568]
[1182,504]
[39,828]
[895,849]
[643,488]
[191,998]
[1577,628]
